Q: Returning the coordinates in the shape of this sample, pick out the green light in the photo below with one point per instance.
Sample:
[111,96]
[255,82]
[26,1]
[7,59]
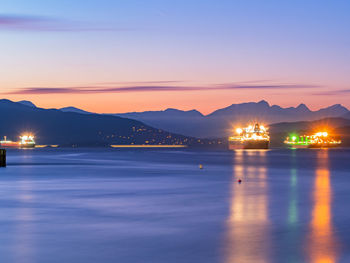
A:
[294,138]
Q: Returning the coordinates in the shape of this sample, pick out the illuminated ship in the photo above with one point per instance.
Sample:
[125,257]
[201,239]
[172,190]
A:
[26,141]
[252,137]
[317,140]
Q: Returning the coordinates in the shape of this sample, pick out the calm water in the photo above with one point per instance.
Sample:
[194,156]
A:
[157,206]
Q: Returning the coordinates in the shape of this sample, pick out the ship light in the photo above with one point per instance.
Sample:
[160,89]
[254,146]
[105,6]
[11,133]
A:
[26,139]
[239,130]
[294,138]
[325,134]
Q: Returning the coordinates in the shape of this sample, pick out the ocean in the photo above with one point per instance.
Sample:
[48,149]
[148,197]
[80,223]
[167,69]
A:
[150,205]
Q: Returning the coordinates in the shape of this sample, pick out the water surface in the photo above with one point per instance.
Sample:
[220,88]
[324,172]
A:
[111,205]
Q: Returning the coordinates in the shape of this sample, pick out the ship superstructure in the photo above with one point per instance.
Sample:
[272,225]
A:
[27,141]
[317,140]
[252,137]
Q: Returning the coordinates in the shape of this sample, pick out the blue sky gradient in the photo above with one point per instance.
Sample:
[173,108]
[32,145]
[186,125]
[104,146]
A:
[58,44]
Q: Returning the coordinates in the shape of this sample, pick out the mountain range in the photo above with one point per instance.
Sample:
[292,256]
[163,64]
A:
[219,123]
[74,127]
[52,126]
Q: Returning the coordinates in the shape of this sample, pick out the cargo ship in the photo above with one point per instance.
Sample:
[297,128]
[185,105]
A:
[317,140]
[252,137]
[26,141]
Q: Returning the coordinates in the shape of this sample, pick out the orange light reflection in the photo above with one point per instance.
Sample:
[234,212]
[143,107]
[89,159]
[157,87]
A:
[247,236]
[322,242]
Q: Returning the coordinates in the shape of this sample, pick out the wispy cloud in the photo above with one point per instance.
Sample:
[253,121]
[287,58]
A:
[265,86]
[17,22]
[344,91]
[157,82]
[150,88]
[332,92]
[39,23]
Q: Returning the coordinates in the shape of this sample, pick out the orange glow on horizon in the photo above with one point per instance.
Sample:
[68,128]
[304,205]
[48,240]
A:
[204,101]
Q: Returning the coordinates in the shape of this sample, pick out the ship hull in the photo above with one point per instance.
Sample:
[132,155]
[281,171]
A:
[16,145]
[9,145]
[319,146]
[235,145]
[27,146]
[296,146]
[314,146]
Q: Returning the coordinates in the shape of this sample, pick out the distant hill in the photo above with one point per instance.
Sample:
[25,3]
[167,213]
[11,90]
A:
[27,103]
[74,109]
[326,124]
[344,134]
[220,122]
[52,126]
[346,115]
[335,126]
[174,120]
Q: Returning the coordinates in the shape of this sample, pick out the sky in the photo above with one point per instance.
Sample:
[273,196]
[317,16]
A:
[127,55]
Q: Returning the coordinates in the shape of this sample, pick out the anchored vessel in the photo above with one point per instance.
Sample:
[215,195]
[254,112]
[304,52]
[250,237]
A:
[317,140]
[252,137]
[26,141]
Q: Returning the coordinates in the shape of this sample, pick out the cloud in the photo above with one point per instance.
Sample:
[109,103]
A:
[343,91]
[142,82]
[149,88]
[332,92]
[39,23]
[16,22]
[265,86]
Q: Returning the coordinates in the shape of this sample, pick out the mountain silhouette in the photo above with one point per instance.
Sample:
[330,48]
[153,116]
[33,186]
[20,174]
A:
[74,109]
[81,128]
[52,126]
[221,122]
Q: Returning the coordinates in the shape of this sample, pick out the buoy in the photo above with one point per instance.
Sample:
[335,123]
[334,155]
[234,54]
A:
[239,181]
[200,166]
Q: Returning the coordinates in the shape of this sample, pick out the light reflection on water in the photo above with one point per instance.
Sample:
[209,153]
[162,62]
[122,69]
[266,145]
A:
[250,228]
[146,206]
[322,243]
[24,250]
[293,193]
[293,198]
[248,222]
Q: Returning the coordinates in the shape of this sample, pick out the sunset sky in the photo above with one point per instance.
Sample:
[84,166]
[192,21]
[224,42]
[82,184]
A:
[127,55]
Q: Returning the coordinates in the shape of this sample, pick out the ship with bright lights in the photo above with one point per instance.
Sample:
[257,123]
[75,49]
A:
[317,140]
[252,137]
[26,141]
